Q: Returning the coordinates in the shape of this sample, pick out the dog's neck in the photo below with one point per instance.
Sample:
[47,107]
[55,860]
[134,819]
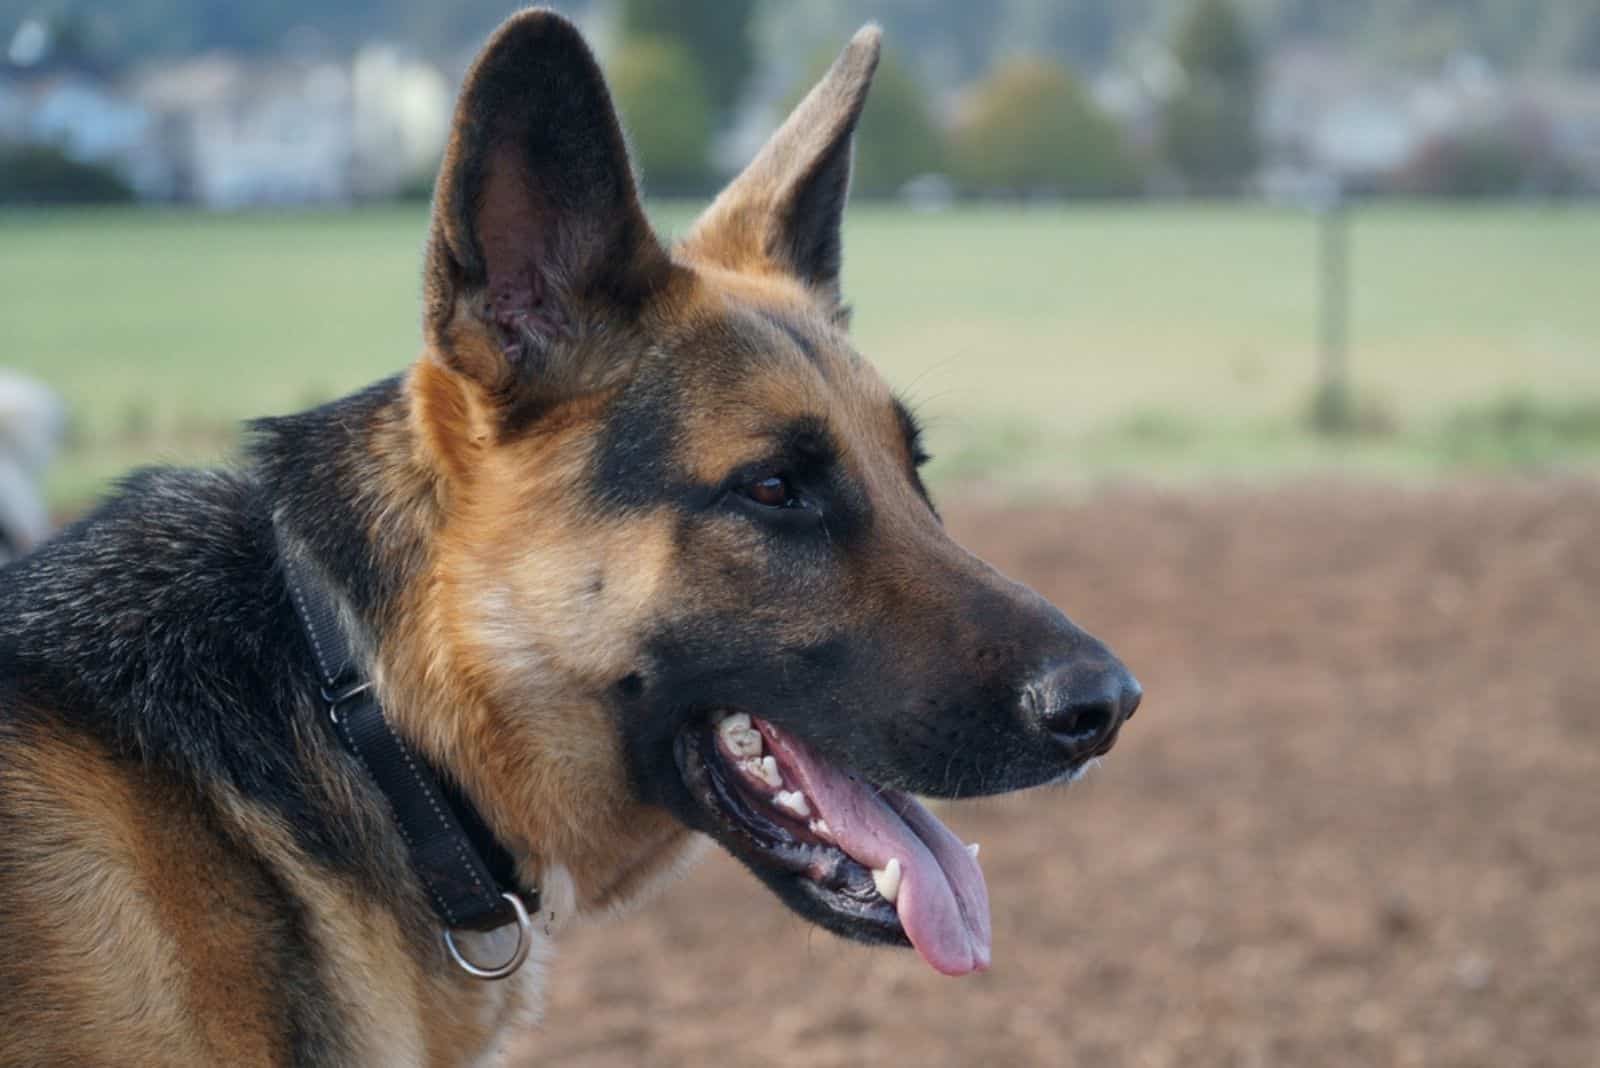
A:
[362,486]
[354,508]
[353,489]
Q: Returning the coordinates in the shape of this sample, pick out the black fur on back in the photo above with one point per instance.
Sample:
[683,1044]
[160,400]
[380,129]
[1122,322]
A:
[160,624]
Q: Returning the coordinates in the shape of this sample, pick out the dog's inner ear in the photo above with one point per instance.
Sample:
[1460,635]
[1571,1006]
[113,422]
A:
[538,236]
[785,211]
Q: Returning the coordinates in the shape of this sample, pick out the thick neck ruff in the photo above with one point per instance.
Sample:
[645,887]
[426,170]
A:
[470,877]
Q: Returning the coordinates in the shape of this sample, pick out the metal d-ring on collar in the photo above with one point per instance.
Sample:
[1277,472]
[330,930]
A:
[470,878]
[513,962]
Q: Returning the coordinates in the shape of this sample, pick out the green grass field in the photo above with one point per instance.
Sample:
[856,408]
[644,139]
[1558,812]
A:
[1040,344]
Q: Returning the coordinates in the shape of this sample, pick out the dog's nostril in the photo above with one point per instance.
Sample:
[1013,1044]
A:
[1082,724]
[1082,703]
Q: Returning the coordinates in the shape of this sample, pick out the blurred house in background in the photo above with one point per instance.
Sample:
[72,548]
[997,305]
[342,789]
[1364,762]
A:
[285,131]
[1566,113]
[1182,97]
[401,108]
[1324,115]
[247,133]
[226,131]
[1327,115]
[79,110]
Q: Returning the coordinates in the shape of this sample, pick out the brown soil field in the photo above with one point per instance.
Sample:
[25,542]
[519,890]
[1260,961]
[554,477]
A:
[1357,821]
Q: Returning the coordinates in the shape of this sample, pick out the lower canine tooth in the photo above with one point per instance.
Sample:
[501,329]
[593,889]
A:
[821,828]
[887,880]
[972,847]
[769,772]
[792,801]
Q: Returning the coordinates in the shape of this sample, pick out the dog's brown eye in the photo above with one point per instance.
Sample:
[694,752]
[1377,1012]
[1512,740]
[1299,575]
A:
[772,492]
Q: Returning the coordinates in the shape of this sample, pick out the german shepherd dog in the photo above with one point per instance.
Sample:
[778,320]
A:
[636,553]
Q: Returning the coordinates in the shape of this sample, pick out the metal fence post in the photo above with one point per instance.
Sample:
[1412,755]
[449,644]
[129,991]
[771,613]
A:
[1332,411]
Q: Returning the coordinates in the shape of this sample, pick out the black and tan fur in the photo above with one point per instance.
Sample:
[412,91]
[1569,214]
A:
[542,544]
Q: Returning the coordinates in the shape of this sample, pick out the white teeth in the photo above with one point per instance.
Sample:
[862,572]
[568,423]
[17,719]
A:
[769,772]
[972,847]
[887,880]
[741,739]
[792,801]
[821,829]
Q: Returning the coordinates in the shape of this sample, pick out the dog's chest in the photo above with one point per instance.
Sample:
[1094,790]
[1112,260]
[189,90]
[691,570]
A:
[510,1012]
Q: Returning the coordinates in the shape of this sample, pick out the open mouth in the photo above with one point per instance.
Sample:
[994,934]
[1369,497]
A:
[870,862]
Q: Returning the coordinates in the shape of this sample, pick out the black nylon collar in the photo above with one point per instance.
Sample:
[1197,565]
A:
[465,870]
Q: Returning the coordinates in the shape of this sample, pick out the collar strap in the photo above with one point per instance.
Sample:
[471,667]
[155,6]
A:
[470,877]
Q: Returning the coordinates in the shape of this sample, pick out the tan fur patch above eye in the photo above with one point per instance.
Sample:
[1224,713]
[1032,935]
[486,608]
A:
[740,427]
[777,379]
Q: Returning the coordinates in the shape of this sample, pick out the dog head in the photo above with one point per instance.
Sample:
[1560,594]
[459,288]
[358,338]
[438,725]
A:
[688,576]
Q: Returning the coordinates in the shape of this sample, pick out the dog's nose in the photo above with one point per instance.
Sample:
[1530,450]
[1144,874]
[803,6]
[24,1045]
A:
[1081,704]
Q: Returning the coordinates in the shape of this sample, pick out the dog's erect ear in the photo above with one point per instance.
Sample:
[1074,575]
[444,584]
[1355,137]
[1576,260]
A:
[785,211]
[537,229]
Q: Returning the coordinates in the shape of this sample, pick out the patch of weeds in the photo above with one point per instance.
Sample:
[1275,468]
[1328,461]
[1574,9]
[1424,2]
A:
[1521,429]
[986,448]
[1156,428]
[1335,410]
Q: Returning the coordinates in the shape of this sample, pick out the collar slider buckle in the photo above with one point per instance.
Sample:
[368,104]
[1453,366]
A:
[335,698]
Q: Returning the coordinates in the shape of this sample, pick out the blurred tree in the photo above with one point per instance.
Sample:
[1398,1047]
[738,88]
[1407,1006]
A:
[1208,130]
[956,39]
[666,111]
[1032,127]
[1482,165]
[1584,50]
[714,33]
[897,139]
[1085,33]
[70,42]
[43,174]
[1498,160]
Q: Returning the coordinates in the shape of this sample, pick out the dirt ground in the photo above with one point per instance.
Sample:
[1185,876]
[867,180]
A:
[1357,821]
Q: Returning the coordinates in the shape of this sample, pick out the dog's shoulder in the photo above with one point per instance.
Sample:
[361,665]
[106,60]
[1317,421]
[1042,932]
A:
[147,602]
[118,882]
[164,537]
[166,816]
[159,628]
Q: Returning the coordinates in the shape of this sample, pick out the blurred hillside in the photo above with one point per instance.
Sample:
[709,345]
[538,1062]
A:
[955,36]
[234,105]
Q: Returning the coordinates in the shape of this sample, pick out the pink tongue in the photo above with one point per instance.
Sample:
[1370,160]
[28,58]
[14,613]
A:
[943,901]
